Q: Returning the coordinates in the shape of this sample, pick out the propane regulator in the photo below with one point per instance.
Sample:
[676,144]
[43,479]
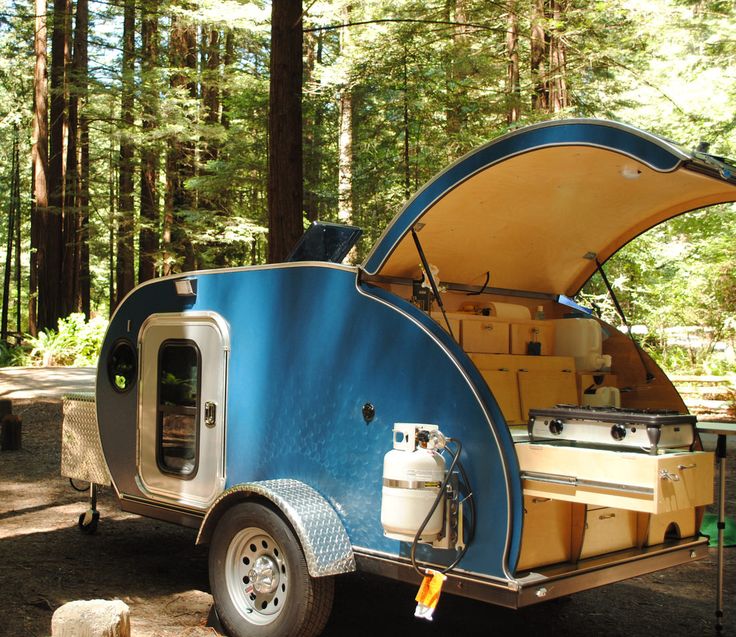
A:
[422,499]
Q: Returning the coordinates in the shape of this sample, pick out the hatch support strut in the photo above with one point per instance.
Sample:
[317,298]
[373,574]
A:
[428,274]
[620,310]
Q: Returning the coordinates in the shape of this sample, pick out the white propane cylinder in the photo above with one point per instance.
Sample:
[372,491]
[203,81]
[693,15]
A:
[411,480]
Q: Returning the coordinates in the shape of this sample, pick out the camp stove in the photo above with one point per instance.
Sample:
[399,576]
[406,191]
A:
[608,426]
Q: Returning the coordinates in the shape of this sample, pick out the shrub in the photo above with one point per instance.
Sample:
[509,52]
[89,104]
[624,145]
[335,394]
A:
[77,343]
[14,355]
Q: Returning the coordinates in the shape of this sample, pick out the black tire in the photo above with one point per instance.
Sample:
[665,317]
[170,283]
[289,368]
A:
[259,577]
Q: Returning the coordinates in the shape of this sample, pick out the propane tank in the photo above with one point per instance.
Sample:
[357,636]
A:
[413,472]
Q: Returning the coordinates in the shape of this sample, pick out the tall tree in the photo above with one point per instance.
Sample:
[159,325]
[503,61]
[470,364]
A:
[458,67]
[148,238]
[513,81]
[313,127]
[180,156]
[557,91]
[39,211]
[13,221]
[285,170]
[211,82]
[345,143]
[125,271]
[81,64]
[73,222]
[540,91]
[49,292]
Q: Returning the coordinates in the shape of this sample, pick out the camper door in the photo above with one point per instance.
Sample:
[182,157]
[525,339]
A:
[181,407]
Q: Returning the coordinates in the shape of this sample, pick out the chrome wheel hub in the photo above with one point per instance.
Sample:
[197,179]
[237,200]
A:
[257,576]
[264,576]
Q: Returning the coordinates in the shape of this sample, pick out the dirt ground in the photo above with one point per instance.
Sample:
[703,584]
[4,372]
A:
[156,569]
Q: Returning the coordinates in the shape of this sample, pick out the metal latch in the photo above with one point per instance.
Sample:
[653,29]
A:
[210,413]
[666,475]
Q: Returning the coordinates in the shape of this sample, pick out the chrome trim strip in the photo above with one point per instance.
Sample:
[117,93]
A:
[158,504]
[242,268]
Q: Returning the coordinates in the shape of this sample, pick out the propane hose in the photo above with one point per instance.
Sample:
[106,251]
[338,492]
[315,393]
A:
[435,504]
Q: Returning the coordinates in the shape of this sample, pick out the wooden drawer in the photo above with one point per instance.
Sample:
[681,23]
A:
[485,336]
[547,531]
[524,332]
[608,530]
[625,480]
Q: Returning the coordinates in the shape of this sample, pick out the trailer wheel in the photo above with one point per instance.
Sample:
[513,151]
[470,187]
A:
[259,577]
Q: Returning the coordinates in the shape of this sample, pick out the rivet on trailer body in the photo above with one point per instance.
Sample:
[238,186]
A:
[541,592]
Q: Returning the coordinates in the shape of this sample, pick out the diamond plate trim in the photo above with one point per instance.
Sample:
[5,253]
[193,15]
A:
[325,542]
[81,451]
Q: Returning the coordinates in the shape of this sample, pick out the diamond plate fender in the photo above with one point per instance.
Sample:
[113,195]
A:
[325,542]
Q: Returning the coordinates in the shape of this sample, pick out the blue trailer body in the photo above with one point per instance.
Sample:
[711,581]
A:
[315,347]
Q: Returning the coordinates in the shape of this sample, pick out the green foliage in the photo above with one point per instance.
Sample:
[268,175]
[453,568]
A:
[77,343]
[679,280]
[428,82]
[14,355]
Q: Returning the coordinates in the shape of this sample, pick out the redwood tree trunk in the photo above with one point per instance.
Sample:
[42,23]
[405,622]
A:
[313,131]
[345,141]
[71,300]
[285,224]
[513,84]
[40,149]
[180,157]
[558,94]
[125,273]
[148,238]
[50,270]
[540,89]
[81,34]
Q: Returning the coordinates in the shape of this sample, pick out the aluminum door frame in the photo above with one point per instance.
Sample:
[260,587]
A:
[210,332]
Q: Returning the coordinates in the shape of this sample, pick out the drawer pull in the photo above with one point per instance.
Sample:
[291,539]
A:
[607,516]
[666,475]
[686,466]
[487,326]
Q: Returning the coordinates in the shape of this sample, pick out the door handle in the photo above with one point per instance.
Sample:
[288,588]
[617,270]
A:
[210,414]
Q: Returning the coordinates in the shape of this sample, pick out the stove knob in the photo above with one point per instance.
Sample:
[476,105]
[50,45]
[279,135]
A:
[556,427]
[618,432]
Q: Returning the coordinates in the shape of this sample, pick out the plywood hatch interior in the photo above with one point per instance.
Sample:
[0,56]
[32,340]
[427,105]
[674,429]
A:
[533,218]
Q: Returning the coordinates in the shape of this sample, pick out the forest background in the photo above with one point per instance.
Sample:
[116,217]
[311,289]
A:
[140,138]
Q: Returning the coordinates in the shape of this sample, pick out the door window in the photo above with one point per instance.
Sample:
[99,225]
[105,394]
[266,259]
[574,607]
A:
[178,407]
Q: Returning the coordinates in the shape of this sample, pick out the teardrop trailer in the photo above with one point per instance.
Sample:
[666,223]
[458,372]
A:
[312,418]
